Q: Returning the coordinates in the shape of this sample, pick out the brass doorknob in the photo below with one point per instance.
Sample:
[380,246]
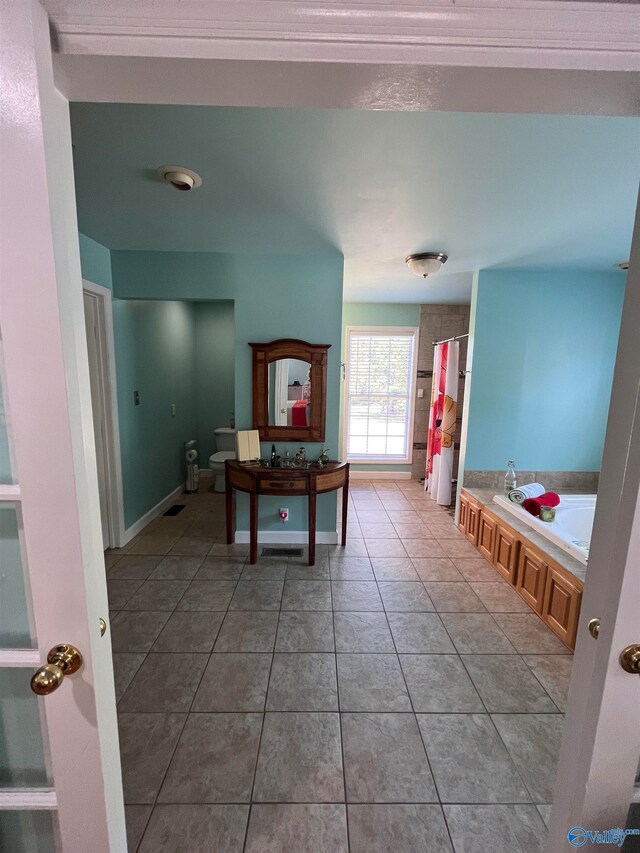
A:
[630,659]
[594,628]
[62,660]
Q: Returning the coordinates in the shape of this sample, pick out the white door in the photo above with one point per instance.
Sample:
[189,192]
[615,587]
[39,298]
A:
[91,320]
[600,753]
[60,781]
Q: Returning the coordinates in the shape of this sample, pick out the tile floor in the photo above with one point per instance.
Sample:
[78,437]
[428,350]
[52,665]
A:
[396,696]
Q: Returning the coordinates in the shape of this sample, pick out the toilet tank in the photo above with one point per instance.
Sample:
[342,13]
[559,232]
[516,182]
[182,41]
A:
[225,438]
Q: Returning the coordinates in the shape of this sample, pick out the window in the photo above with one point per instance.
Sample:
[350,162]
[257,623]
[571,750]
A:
[379,393]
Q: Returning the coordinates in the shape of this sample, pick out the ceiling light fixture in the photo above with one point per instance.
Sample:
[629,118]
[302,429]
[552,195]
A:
[180,178]
[425,263]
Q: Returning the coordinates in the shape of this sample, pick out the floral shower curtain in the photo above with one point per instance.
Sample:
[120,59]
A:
[442,422]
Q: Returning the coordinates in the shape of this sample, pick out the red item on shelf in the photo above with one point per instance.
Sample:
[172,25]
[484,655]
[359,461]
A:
[299,413]
[533,505]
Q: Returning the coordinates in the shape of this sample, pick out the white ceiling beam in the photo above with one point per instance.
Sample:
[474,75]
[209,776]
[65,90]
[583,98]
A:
[547,34]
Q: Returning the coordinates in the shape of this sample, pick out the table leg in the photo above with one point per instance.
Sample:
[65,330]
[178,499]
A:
[229,511]
[345,511]
[253,528]
[312,528]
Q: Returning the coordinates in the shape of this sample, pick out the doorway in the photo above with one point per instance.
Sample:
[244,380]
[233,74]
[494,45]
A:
[100,347]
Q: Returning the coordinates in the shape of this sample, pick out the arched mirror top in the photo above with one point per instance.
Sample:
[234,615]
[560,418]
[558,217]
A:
[289,390]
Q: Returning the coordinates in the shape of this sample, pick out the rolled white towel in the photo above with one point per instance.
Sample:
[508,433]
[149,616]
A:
[532,490]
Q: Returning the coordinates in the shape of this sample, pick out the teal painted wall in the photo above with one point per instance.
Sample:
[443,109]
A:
[374,314]
[274,296]
[155,355]
[95,261]
[544,345]
[214,371]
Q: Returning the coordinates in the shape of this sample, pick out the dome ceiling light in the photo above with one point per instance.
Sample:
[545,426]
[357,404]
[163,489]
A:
[425,263]
[180,178]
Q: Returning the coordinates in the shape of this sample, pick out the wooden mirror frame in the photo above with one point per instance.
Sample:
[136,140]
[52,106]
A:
[316,356]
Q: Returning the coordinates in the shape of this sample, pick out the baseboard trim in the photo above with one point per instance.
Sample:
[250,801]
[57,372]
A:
[379,475]
[154,512]
[288,537]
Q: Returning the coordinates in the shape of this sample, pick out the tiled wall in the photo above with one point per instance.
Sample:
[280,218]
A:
[437,323]
[584,482]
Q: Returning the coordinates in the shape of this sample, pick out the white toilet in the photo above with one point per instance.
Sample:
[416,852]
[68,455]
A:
[225,449]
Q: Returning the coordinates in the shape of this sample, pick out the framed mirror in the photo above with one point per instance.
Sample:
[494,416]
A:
[290,390]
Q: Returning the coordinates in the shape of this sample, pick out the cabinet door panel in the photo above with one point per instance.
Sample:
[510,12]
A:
[561,606]
[463,514]
[486,534]
[505,553]
[530,582]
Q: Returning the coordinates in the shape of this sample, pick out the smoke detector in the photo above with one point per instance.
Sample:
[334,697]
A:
[180,178]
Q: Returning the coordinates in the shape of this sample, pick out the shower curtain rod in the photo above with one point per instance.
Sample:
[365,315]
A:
[456,338]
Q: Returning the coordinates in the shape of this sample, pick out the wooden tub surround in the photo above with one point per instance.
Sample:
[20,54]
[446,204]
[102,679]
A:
[548,580]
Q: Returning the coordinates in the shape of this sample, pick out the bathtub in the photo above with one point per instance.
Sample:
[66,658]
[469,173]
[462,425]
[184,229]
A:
[572,527]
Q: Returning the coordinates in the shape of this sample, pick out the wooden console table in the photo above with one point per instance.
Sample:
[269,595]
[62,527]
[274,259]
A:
[288,482]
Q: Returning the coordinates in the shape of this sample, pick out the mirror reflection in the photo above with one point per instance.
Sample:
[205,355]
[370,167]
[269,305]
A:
[289,392]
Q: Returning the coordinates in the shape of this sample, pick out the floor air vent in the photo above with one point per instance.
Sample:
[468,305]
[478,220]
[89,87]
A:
[175,509]
[281,552]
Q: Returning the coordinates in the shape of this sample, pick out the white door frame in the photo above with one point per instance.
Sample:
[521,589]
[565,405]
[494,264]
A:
[114,36]
[108,391]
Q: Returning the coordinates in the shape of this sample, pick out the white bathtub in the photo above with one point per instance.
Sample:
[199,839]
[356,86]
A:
[572,527]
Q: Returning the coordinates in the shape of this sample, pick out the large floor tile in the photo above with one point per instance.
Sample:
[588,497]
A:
[506,684]
[458,549]
[385,761]
[164,682]
[353,548]
[398,829]
[436,569]
[207,595]
[189,631]
[125,666]
[134,567]
[303,681]
[306,595]
[554,673]
[196,829]
[299,828]
[405,596]
[214,761]
[454,597]
[469,761]
[408,530]
[385,548]
[300,759]
[136,819]
[355,595]
[378,530]
[533,741]
[476,633]
[362,632]
[136,631]
[120,591]
[221,569]
[157,595]
[305,631]
[500,597]
[234,682]
[352,569]
[265,570]
[394,569]
[247,632]
[440,684]
[419,633]
[423,548]
[257,595]
[190,546]
[529,634]
[476,570]
[176,568]
[147,742]
[371,682]
[500,829]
